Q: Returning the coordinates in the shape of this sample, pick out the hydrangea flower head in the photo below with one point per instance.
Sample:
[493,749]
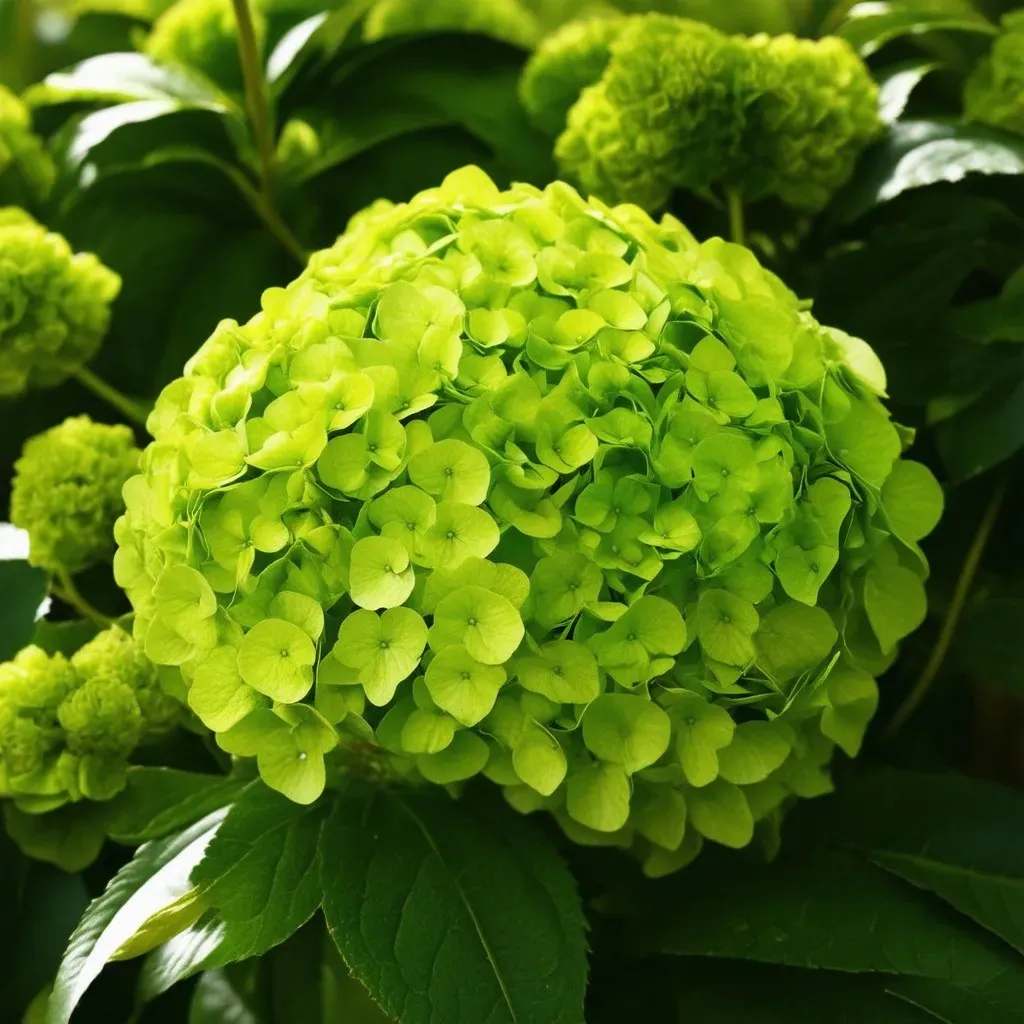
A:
[994,93]
[676,104]
[67,492]
[69,728]
[54,305]
[517,484]
[21,150]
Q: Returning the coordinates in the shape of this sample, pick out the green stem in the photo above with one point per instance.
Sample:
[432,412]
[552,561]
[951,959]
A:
[70,595]
[128,407]
[962,590]
[258,106]
[734,204]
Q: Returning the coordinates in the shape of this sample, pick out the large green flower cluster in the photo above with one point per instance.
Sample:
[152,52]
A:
[504,19]
[995,91]
[676,104]
[66,492]
[203,34]
[69,727]
[54,304]
[513,483]
[21,150]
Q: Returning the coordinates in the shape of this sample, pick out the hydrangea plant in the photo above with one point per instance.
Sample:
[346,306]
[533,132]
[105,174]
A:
[657,103]
[21,150]
[68,727]
[54,305]
[203,34]
[519,485]
[995,90]
[66,492]
[504,19]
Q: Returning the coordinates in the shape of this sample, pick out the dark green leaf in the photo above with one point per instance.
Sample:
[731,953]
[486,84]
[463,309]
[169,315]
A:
[954,1005]
[918,153]
[156,876]
[158,801]
[870,26]
[262,872]
[829,910]
[745,993]
[122,77]
[22,589]
[217,1001]
[453,912]
[956,836]
[70,836]
[64,637]
[989,641]
[986,433]
[896,83]
[999,319]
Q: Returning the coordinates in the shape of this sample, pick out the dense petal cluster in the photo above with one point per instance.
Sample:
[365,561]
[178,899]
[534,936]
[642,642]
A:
[566,62]
[203,34]
[21,151]
[67,492]
[69,727]
[54,304]
[995,91]
[509,20]
[676,104]
[517,484]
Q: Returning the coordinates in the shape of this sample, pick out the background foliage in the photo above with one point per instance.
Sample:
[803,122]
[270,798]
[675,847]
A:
[896,899]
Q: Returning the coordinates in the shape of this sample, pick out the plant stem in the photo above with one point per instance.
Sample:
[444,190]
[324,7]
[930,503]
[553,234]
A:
[734,204]
[128,407]
[961,592]
[258,106]
[69,594]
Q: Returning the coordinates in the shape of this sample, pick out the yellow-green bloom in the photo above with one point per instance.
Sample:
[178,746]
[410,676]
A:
[517,484]
[67,492]
[504,19]
[203,34]
[679,105]
[54,305]
[995,91]
[22,154]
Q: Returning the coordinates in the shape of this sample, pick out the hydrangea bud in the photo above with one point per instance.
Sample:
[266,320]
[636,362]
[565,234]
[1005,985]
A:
[994,92]
[677,104]
[21,151]
[519,484]
[69,728]
[203,34]
[510,20]
[66,492]
[54,305]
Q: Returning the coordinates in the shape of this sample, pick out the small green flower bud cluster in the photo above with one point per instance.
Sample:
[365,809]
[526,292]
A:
[69,727]
[994,93]
[503,19]
[654,103]
[54,305]
[518,484]
[66,492]
[21,151]
[203,35]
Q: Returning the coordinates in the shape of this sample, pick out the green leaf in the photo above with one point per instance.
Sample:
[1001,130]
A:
[461,913]
[870,26]
[156,876]
[895,85]
[948,833]
[158,801]
[914,154]
[895,602]
[831,910]
[120,77]
[985,434]
[215,1000]
[22,589]
[261,872]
